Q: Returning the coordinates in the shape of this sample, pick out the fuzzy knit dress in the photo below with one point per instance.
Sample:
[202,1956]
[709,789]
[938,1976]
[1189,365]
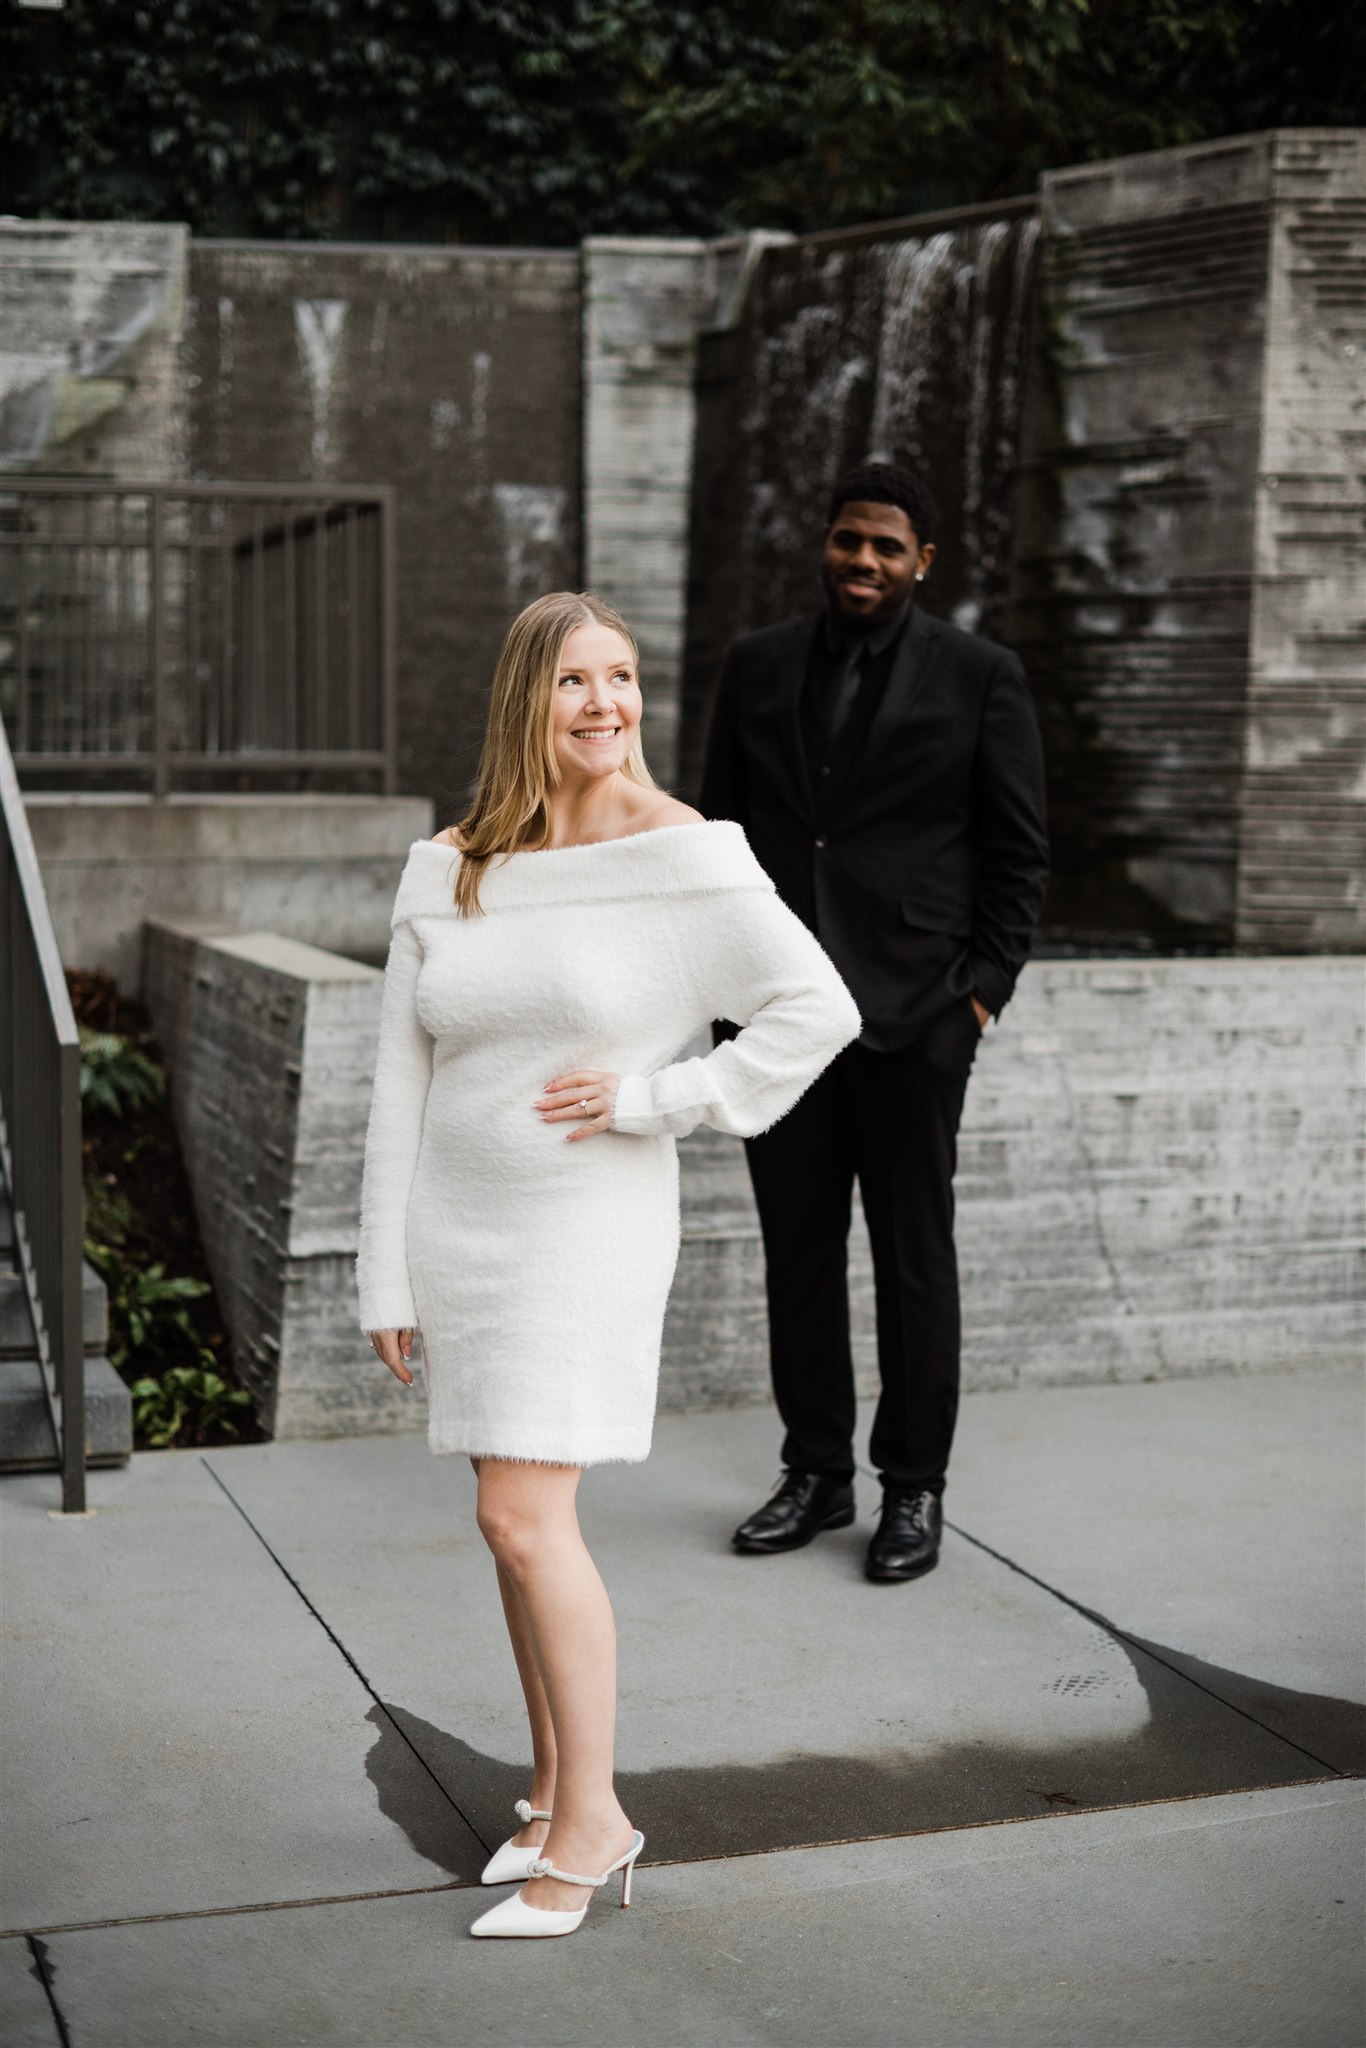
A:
[538,1271]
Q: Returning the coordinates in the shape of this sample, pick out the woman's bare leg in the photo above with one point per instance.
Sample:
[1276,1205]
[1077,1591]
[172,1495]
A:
[537,1712]
[528,1518]
[542,1795]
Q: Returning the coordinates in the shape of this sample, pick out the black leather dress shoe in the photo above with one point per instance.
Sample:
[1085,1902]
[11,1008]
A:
[803,1505]
[908,1537]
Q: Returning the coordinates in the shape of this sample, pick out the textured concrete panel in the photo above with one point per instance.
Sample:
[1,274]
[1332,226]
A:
[181,1734]
[318,868]
[450,373]
[270,1045]
[92,381]
[1189,544]
[1227,1921]
[1301,883]
[1160,1173]
[643,303]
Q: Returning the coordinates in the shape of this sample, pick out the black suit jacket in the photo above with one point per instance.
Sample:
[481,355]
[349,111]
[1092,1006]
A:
[920,862]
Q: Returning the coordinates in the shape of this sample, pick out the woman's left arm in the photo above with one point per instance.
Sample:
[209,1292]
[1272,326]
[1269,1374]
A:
[758,965]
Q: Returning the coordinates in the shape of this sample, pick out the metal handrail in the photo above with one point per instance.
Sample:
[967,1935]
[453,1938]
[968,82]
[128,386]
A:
[167,629]
[40,1130]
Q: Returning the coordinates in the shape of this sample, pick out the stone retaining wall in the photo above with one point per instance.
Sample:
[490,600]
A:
[1160,1175]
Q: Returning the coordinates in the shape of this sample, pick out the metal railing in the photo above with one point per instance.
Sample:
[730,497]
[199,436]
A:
[160,634]
[40,1130]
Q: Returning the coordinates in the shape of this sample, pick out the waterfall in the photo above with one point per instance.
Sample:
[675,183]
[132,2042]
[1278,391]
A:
[946,395]
[916,275]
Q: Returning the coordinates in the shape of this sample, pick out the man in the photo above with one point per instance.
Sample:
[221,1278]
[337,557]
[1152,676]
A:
[887,770]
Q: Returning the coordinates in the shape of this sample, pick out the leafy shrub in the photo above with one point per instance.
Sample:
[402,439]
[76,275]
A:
[166,1334]
[186,1396]
[110,1218]
[116,1075]
[147,1311]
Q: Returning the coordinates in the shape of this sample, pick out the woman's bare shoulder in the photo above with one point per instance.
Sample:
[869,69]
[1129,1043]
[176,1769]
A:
[450,837]
[669,811]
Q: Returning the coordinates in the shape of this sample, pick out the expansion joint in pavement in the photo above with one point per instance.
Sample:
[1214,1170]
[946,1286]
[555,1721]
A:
[342,1650]
[36,1934]
[1139,1643]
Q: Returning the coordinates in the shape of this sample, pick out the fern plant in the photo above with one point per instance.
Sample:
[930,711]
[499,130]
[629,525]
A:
[116,1075]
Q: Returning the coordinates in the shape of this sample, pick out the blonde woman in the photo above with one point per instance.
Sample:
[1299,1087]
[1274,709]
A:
[550,955]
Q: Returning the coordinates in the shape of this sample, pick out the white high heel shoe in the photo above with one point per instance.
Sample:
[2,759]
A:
[511,1864]
[513,1917]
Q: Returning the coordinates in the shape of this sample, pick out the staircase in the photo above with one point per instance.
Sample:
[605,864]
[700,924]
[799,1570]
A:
[26,1443]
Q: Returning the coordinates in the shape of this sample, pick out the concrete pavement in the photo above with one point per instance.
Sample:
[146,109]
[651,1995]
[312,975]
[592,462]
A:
[1083,1784]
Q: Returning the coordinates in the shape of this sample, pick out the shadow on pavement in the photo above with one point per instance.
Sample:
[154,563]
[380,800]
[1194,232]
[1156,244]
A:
[1205,1735]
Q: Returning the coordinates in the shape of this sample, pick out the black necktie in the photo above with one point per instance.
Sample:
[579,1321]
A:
[844,690]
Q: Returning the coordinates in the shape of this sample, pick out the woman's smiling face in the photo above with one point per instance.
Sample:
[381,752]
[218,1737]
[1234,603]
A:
[597,703]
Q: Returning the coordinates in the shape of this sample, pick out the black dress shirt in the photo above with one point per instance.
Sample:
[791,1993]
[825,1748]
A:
[846,675]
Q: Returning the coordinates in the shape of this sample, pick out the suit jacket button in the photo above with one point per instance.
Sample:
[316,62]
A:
[821,840]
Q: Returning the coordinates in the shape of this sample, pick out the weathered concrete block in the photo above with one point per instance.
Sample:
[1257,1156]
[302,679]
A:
[93,318]
[1160,1174]
[271,1050]
[322,869]
[645,301]
[1189,549]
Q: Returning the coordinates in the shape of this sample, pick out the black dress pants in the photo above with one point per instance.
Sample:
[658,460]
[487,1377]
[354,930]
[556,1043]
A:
[889,1120]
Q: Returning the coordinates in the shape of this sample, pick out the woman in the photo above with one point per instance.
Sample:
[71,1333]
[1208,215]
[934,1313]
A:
[520,1203]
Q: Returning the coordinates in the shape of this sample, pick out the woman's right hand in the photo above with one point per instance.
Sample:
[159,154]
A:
[395,1347]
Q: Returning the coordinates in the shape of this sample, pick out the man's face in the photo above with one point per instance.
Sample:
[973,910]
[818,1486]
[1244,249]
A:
[871,558]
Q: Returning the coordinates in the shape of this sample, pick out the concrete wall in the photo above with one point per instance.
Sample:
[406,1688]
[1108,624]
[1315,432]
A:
[1182,529]
[322,869]
[1160,1175]
[270,1047]
[91,381]
[452,374]
[1189,551]
[644,304]
[1301,879]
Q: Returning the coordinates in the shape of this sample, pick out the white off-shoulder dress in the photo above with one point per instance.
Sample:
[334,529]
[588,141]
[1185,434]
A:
[538,1271]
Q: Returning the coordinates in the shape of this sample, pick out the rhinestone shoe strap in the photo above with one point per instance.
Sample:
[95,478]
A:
[539,1867]
[525,1812]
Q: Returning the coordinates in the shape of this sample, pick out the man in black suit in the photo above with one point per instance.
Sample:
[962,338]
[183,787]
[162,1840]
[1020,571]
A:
[887,770]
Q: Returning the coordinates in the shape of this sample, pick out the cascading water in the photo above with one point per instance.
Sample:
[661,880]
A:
[910,350]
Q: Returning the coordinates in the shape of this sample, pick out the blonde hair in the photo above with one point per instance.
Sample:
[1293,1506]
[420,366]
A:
[518,769]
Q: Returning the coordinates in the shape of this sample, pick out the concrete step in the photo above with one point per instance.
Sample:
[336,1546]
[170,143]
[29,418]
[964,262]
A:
[16,1325]
[25,1428]
[26,1432]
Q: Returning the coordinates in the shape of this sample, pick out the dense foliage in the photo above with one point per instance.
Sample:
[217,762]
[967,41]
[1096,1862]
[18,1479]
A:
[166,1336]
[544,120]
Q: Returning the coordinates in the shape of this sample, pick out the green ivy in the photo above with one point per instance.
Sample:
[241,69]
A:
[544,120]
